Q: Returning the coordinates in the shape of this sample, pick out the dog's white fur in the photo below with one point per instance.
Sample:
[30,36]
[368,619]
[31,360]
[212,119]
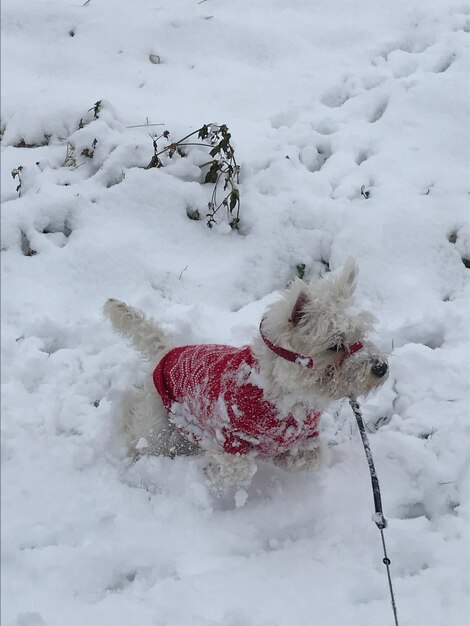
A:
[310,319]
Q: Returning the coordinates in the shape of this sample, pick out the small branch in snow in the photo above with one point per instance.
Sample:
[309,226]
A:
[147,124]
[182,272]
[16,173]
[223,169]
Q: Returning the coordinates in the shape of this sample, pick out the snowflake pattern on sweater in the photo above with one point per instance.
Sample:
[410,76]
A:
[210,393]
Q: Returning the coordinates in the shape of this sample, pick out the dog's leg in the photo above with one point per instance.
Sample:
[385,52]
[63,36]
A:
[147,427]
[310,455]
[229,470]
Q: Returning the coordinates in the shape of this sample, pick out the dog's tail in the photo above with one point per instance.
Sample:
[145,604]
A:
[132,324]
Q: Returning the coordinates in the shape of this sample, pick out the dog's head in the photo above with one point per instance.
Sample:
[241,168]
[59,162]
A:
[319,320]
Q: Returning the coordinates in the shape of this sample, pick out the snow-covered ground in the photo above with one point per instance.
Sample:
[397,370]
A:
[322,99]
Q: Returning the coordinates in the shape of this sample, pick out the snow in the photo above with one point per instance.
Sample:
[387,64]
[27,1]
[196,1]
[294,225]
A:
[322,100]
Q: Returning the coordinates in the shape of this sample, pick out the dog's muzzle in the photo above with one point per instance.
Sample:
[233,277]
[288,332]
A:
[379,369]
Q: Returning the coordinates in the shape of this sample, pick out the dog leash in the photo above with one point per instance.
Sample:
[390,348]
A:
[378,517]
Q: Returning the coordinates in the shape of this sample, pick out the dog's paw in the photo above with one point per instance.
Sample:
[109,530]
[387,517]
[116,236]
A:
[310,458]
[229,470]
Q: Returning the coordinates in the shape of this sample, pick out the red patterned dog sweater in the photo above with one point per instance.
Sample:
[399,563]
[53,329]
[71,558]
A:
[210,393]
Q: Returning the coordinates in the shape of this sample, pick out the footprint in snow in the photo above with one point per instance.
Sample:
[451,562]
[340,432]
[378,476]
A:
[313,158]
[362,156]
[445,63]
[351,87]
[378,112]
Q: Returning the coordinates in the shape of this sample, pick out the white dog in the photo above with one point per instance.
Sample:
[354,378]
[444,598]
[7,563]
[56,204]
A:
[262,400]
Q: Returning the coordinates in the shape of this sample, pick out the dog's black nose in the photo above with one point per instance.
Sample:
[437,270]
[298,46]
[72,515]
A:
[379,369]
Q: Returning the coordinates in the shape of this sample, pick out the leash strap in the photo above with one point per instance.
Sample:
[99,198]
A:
[378,517]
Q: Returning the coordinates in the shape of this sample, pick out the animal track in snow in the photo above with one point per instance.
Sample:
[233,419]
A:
[362,157]
[325,127]
[378,112]
[313,158]
[409,44]
[26,247]
[466,26]
[337,96]
[444,64]
[324,152]
[122,581]
[351,87]
[461,19]
[412,56]
[58,234]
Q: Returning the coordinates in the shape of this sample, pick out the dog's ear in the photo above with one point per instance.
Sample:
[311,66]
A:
[298,311]
[345,284]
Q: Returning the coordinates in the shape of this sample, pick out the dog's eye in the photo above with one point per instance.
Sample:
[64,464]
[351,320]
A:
[337,347]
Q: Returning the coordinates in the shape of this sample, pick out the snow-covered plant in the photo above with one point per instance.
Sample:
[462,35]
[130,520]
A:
[89,152]
[70,160]
[96,108]
[223,170]
[300,269]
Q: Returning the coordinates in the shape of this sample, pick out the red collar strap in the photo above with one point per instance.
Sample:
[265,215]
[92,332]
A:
[300,359]
[354,347]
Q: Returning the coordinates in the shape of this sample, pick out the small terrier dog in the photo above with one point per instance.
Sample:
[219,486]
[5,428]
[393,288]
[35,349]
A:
[263,400]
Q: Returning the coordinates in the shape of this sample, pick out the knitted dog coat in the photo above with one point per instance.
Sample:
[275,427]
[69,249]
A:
[211,394]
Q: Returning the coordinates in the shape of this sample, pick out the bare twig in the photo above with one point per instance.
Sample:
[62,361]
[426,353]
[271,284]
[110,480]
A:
[147,125]
[16,173]
[182,272]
